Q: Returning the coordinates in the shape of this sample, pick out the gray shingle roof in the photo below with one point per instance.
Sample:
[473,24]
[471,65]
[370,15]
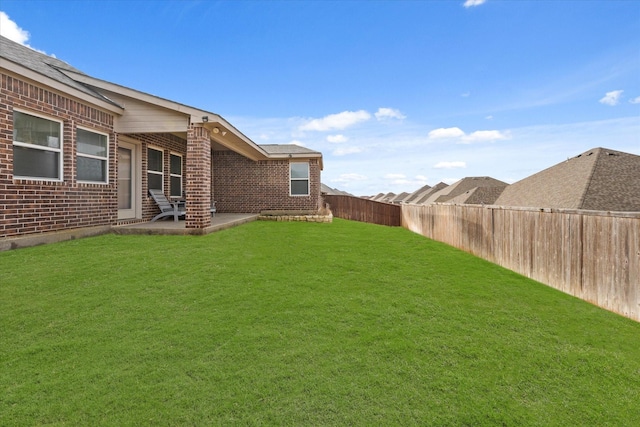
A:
[324,188]
[399,198]
[286,149]
[416,194]
[384,197]
[598,179]
[462,186]
[43,64]
[424,196]
[479,196]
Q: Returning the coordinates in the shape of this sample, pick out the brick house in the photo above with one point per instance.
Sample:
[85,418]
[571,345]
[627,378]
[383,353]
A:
[76,151]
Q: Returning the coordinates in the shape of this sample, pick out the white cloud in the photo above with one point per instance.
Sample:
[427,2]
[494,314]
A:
[466,94]
[12,31]
[611,98]
[477,136]
[337,139]
[346,150]
[471,3]
[402,181]
[336,121]
[395,176]
[389,113]
[442,133]
[489,117]
[635,100]
[349,177]
[450,180]
[485,136]
[296,142]
[450,165]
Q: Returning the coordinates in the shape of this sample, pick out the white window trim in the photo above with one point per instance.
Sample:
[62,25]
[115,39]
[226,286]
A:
[172,175]
[40,147]
[90,156]
[161,173]
[308,179]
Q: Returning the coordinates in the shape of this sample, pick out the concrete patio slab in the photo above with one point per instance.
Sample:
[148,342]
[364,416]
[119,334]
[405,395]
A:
[219,222]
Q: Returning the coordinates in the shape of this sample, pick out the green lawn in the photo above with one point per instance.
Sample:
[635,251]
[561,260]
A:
[300,324]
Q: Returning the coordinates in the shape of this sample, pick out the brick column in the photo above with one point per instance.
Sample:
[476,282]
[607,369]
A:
[198,174]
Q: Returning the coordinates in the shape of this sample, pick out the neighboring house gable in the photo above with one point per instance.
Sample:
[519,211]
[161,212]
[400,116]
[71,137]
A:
[400,198]
[416,194]
[334,191]
[424,196]
[462,186]
[478,196]
[598,179]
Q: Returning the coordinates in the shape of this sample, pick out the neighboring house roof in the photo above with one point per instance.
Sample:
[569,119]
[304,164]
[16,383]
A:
[462,186]
[374,197]
[324,188]
[333,191]
[416,194]
[384,197]
[399,198]
[598,179]
[422,197]
[478,196]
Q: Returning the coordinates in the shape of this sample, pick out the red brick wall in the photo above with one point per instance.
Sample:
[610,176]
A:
[198,174]
[30,206]
[242,185]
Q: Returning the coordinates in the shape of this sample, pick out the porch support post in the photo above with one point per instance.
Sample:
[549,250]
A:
[198,174]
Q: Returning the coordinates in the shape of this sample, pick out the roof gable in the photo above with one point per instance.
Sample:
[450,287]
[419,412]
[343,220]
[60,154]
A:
[598,179]
[460,187]
[416,194]
[614,184]
[478,196]
[424,196]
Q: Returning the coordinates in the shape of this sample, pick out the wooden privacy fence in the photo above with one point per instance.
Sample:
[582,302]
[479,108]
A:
[592,255]
[358,209]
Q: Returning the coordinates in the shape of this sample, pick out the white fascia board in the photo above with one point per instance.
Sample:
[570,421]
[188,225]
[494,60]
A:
[195,113]
[253,151]
[298,156]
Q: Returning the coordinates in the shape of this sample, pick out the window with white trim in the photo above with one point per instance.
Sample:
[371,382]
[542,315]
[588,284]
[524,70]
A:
[299,176]
[37,147]
[175,178]
[155,169]
[92,161]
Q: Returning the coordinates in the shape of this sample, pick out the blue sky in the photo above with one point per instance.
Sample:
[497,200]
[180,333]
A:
[395,94]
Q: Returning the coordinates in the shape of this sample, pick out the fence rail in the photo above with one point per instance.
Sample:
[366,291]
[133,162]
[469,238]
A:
[594,256]
[358,209]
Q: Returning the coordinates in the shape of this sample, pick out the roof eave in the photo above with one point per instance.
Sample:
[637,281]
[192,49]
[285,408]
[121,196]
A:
[216,124]
[23,72]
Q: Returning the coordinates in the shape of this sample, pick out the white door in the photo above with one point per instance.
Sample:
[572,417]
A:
[127,179]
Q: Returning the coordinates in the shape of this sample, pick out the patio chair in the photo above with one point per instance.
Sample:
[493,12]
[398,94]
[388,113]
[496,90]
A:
[167,208]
